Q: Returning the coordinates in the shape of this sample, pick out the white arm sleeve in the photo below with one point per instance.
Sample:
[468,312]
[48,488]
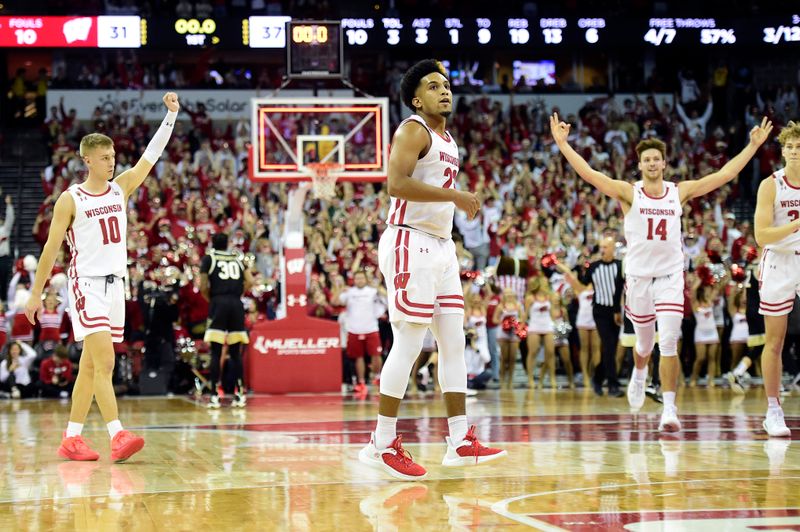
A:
[159,141]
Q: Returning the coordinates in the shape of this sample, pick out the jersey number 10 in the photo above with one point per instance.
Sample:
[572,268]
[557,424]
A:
[660,229]
[111,233]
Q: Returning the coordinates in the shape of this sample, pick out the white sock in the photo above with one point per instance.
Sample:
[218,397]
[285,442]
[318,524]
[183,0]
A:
[385,431]
[773,403]
[640,374]
[740,369]
[114,427]
[669,399]
[458,428]
[74,429]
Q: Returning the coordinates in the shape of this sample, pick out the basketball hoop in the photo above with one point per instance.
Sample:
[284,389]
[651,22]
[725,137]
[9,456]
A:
[323,178]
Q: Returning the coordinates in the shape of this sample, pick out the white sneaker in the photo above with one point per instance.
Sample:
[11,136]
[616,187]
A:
[737,383]
[15,393]
[636,393]
[669,420]
[239,401]
[775,425]
[213,403]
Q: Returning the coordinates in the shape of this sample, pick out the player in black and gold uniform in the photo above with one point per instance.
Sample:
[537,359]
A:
[223,280]
[755,325]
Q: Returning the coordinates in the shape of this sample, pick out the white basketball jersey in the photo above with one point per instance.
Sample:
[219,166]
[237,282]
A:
[786,208]
[439,168]
[98,233]
[653,233]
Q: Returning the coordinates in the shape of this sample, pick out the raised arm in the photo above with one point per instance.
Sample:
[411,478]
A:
[765,232]
[610,187]
[63,213]
[571,278]
[411,142]
[699,187]
[130,180]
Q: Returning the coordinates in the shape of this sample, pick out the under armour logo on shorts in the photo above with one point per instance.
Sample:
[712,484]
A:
[424,250]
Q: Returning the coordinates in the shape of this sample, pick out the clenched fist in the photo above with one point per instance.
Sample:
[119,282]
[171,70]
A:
[171,101]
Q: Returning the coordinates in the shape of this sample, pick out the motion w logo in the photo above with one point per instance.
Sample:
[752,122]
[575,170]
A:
[401,280]
[295,266]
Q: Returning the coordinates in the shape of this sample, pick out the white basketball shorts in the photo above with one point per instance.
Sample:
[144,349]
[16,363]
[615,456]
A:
[647,296]
[779,282]
[422,275]
[95,305]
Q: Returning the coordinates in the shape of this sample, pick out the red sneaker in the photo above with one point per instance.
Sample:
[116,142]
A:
[124,445]
[469,451]
[360,389]
[394,460]
[75,448]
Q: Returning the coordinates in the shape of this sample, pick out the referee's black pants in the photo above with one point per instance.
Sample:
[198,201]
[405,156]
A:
[609,336]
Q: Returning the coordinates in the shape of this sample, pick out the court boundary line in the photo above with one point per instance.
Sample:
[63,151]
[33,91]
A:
[501,507]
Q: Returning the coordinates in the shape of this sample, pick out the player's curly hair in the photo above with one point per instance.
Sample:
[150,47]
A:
[412,77]
[790,131]
[651,144]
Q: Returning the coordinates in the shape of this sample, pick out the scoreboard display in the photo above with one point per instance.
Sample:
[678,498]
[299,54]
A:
[71,32]
[386,33]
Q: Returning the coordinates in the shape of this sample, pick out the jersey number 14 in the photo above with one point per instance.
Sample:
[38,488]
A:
[660,229]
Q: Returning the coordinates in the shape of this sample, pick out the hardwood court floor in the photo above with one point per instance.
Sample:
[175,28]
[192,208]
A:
[289,463]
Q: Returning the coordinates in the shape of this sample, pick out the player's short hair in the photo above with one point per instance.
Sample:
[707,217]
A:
[790,131]
[94,140]
[219,241]
[412,77]
[651,144]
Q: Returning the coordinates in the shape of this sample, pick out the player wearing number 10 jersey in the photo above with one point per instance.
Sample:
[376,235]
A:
[93,217]
[654,263]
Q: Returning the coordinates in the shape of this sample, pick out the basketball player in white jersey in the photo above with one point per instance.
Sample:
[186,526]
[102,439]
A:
[93,217]
[418,259]
[777,222]
[654,262]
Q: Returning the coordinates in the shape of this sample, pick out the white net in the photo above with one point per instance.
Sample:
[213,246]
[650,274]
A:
[323,178]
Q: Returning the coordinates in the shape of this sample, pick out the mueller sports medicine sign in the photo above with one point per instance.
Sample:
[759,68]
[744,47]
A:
[296,346]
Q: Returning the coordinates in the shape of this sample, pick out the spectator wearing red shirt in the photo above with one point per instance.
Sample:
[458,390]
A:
[55,374]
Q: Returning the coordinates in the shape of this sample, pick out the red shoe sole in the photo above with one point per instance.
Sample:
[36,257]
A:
[64,454]
[129,450]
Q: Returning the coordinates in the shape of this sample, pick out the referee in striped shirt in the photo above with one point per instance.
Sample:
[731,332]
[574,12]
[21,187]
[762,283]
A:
[605,275]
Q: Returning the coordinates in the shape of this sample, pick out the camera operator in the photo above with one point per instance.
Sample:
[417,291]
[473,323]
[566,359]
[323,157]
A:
[158,298]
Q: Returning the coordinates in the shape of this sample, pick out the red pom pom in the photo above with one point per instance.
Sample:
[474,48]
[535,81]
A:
[737,273]
[549,260]
[521,330]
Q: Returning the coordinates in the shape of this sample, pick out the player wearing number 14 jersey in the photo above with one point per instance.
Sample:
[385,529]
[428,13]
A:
[654,263]
[93,218]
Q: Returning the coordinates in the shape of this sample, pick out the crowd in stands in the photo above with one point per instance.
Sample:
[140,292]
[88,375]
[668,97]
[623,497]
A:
[535,211]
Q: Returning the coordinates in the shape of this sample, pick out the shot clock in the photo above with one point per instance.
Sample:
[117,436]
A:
[314,48]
